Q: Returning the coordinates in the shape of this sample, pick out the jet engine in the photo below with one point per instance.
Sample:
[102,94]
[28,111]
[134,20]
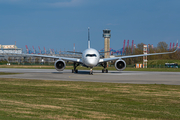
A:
[120,65]
[59,65]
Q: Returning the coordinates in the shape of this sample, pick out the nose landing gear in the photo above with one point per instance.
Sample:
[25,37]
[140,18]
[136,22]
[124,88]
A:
[91,72]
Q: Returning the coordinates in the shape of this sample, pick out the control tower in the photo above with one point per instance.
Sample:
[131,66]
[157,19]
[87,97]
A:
[106,35]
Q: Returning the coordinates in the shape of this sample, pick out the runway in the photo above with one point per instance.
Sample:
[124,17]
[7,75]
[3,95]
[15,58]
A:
[135,77]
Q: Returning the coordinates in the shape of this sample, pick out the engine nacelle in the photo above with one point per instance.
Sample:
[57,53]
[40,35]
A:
[120,65]
[60,65]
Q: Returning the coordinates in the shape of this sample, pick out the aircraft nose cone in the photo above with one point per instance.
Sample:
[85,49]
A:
[90,62]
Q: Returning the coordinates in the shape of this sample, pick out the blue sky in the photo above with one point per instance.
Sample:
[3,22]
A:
[58,24]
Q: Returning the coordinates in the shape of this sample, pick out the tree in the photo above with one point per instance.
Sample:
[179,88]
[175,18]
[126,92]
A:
[139,50]
[162,47]
[140,47]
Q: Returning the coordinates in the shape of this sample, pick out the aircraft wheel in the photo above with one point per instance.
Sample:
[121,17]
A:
[102,70]
[76,71]
[106,70]
[72,71]
[91,73]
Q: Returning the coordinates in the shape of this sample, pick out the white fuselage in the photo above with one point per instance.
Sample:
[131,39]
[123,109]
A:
[90,57]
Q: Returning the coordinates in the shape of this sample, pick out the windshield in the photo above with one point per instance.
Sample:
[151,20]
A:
[90,55]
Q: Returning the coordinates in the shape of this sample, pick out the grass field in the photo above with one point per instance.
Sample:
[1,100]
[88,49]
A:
[162,62]
[4,73]
[38,99]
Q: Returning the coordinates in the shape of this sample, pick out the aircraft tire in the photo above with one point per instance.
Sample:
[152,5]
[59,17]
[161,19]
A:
[102,70]
[76,71]
[72,71]
[91,73]
[106,70]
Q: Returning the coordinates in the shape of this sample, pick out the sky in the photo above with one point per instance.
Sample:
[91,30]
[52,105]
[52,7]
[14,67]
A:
[58,24]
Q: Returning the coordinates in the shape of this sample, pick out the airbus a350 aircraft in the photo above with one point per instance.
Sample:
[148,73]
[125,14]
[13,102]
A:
[90,58]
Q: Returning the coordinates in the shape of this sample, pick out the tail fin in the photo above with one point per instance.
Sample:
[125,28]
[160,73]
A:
[88,38]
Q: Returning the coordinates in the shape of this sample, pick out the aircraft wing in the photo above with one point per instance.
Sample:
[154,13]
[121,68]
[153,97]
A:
[71,59]
[131,56]
[43,56]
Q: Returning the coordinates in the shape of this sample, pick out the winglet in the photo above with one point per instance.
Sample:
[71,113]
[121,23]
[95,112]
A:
[176,46]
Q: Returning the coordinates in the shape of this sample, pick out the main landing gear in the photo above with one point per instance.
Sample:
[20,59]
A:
[104,66]
[104,70]
[75,66]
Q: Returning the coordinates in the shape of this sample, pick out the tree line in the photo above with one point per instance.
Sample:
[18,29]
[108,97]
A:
[161,47]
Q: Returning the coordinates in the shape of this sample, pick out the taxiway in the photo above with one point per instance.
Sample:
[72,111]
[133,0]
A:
[135,77]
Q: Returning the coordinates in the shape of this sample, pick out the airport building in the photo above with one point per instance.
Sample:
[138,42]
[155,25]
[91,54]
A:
[106,35]
[5,50]
[10,49]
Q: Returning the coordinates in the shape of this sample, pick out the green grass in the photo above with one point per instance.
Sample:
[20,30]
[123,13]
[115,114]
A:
[28,66]
[162,62]
[38,99]
[4,73]
[154,69]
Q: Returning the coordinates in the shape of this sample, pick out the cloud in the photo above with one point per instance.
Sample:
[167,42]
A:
[71,3]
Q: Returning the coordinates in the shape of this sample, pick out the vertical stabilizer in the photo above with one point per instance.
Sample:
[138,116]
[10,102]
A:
[88,38]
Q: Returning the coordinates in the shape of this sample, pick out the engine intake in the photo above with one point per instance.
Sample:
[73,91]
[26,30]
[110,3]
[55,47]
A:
[60,65]
[120,65]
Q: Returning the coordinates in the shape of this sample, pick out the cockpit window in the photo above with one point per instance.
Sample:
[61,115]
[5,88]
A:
[91,55]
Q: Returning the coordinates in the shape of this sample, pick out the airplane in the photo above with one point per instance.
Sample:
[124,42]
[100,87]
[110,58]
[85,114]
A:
[90,58]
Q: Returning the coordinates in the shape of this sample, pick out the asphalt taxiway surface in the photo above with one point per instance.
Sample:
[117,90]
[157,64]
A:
[135,77]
